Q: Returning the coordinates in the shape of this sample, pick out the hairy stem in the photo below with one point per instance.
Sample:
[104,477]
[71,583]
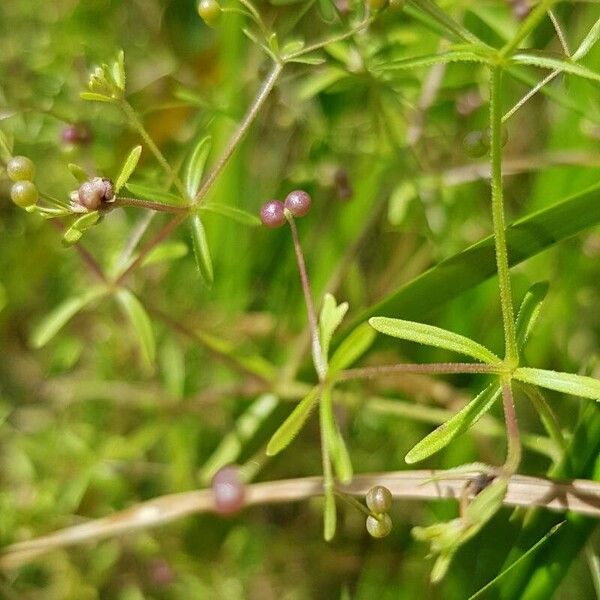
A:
[150,205]
[513,456]
[416,368]
[317,352]
[240,132]
[510,340]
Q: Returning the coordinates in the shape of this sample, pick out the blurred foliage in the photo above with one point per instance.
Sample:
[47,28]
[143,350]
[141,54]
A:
[86,428]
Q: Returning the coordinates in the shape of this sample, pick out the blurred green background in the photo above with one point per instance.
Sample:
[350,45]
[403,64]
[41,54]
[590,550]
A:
[86,429]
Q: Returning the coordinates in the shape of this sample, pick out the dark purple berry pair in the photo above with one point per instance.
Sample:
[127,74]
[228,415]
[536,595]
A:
[297,203]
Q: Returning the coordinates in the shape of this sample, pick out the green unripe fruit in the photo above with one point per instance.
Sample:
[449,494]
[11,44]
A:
[209,11]
[20,168]
[476,144]
[379,528]
[24,193]
[379,499]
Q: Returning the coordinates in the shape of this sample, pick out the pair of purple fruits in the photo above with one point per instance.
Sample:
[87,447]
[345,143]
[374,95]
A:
[296,204]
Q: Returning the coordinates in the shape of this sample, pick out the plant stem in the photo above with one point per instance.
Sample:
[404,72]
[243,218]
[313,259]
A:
[513,455]
[547,417]
[137,124]
[532,92]
[416,368]
[328,483]
[331,40]
[240,132]
[150,205]
[510,340]
[317,352]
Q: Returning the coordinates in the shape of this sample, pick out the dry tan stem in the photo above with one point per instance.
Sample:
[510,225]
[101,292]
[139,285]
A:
[577,495]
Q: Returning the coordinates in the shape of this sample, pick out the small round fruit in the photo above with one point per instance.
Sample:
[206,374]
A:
[379,499]
[20,168]
[379,528]
[209,11]
[76,134]
[24,193]
[272,214]
[476,143]
[228,490]
[92,194]
[298,203]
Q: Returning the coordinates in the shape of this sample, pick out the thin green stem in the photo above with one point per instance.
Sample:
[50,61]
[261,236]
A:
[510,340]
[150,205]
[317,351]
[417,368]
[240,132]
[513,455]
[331,40]
[352,501]
[137,124]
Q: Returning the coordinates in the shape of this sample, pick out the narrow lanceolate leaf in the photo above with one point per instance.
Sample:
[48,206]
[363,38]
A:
[195,166]
[433,336]
[590,40]
[165,252]
[201,250]
[118,71]
[61,315]
[92,96]
[568,383]
[78,172]
[546,61]
[455,426]
[427,60]
[141,323]
[529,311]
[445,21]
[150,192]
[329,320]
[334,440]
[329,516]
[128,167]
[352,348]
[293,424]
[235,214]
[341,459]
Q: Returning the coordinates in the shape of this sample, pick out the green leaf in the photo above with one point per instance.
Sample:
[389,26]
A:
[128,168]
[307,59]
[118,71]
[546,61]
[589,41]
[329,516]
[71,236]
[333,438]
[290,428]
[329,320]
[201,250]
[529,311]
[195,166]
[233,443]
[86,221]
[141,323]
[164,252]
[172,362]
[149,192]
[463,271]
[568,383]
[352,348]
[341,459]
[428,60]
[455,426]
[94,97]
[433,336]
[61,315]
[78,173]
[235,214]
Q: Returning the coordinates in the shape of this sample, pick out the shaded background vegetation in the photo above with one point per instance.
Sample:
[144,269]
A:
[87,430]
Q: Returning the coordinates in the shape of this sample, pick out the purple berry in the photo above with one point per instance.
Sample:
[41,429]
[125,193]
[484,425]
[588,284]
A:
[272,215]
[228,490]
[92,194]
[298,203]
[76,134]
